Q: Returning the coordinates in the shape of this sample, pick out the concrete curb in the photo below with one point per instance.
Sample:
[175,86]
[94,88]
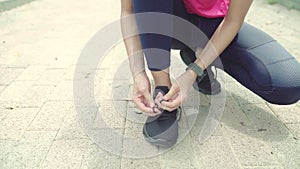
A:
[9,4]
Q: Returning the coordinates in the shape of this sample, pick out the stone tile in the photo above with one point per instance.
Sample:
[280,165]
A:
[82,72]
[198,127]
[122,89]
[32,73]
[286,149]
[6,153]
[51,77]
[131,163]
[119,90]
[8,75]
[264,167]
[134,144]
[63,91]
[216,152]
[295,129]
[263,120]
[103,90]
[4,112]
[242,95]
[251,151]
[36,96]
[2,88]
[108,139]
[111,114]
[134,115]
[15,123]
[66,154]
[287,113]
[29,152]
[50,116]
[99,158]
[15,90]
[71,128]
[235,118]
[184,155]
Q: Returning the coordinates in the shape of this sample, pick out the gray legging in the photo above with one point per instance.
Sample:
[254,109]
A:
[253,58]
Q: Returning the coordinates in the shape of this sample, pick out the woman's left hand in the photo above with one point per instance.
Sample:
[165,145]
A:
[178,92]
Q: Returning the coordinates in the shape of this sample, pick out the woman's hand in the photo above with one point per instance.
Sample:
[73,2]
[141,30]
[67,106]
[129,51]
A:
[178,92]
[141,95]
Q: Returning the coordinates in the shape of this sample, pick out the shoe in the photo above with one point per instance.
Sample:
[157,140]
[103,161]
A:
[203,84]
[162,130]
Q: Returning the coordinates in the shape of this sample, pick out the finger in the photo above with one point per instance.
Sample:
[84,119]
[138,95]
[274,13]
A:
[146,93]
[156,110]
[158,98]
[171,93]
[144,108]
[173,104]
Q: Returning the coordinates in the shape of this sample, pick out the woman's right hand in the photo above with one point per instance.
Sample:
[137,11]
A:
[141,95]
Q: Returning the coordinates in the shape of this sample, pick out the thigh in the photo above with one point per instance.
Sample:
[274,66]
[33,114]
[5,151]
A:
[262,65]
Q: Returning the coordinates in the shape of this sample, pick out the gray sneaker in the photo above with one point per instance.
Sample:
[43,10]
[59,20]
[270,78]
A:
[162,130]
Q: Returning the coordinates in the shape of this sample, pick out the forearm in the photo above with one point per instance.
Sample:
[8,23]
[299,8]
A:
[132,41]
[225,33]
[222,37]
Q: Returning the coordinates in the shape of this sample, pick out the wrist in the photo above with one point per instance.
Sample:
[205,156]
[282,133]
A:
[192,73]
[195,70]
[139,74]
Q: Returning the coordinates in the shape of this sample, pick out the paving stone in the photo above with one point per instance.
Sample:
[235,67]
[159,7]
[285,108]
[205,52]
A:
[183,155]
[286,149]
[82,72]
[36,96]
[16,122]
[251,151]
[29,152]
[241,94]
[2,88]
[197,124]
[234,116]
[51,77]
[103,90]
[108,139]
[263,120]
[130,163]
[287,113]
[4,112]
[71,128]
[295,129]
[66,154]
[32,73]
[111,114]
[264,167]
[99,158]
[63,91]
[50,116]
[8,75]
[134,115]
[16,90]
[216,152]
[134,144]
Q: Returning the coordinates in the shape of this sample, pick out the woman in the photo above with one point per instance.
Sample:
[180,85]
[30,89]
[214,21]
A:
[253,58]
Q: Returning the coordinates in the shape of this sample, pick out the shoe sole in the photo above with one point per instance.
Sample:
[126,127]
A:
[158,142]
[214,92]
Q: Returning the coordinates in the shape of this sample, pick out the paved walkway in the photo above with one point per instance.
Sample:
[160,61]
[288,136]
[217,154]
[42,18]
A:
[40,44]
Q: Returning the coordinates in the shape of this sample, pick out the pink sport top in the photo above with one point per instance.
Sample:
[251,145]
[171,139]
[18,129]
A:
[207,8]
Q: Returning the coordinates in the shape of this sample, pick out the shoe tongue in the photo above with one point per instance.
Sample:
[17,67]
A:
[163,89]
